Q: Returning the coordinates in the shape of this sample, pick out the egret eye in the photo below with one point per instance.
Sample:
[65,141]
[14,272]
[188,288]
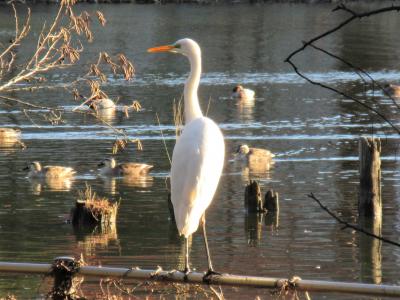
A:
[178,46]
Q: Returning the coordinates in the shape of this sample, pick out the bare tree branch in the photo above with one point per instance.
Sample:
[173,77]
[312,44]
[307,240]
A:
[310,43]
[353,17]
[348,225]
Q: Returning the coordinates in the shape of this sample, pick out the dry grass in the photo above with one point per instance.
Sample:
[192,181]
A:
[93,210]
[98,205]
[178,116]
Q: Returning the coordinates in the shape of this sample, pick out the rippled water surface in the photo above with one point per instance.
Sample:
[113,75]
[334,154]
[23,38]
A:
[313,133]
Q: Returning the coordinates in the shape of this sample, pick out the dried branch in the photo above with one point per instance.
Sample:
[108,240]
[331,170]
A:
[59,46]
[359,71]
[348,225]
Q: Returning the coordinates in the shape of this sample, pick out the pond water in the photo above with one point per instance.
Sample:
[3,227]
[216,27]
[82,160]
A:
[313,132]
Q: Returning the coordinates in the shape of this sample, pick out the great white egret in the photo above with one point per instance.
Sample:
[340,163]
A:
[109,167]
[240,92]
[37,171]
[198,156]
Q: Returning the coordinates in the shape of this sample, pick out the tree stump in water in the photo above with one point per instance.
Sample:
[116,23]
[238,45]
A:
[370,202]
[271,201]
[252,197]
[91,210]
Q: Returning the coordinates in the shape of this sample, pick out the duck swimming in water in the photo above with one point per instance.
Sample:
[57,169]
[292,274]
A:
[239,92]
[37,171]
[109,167]
[392,90]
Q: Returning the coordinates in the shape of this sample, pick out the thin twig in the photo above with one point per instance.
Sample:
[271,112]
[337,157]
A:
[21,102]
[310,42]
[354,16]
[349,225]
[358,71]
[162,136]
[383,117]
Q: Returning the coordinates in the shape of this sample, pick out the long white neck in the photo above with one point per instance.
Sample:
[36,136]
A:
[192,107]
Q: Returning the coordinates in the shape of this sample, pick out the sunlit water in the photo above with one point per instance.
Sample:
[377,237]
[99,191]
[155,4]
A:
[314,134]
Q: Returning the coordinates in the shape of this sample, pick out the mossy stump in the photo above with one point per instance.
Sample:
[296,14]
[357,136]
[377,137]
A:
[91,210]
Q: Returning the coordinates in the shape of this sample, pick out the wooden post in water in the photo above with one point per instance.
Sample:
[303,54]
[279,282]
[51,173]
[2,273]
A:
[252,197]
[370,208]
[369,201]
[271,201]
[66,284]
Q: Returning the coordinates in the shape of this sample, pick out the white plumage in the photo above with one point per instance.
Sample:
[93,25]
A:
[196,169]
[198,156]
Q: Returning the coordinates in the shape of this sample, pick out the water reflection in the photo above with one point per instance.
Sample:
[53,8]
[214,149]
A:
[245,108]
[95,238]
[253,228]
[371,253]
[110,184]
[272,220]
[106,114]
[50,183]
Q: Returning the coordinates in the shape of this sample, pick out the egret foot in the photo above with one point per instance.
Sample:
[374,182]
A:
[207,278]
[186,272]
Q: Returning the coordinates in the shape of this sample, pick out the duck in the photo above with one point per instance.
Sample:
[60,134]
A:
[257,160]
[37,171]
[253,154]
[102,104]
[392,90]
[239,92]
[9,133]
[109,167]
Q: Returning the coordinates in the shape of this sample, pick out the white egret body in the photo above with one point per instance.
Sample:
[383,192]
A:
[198,156]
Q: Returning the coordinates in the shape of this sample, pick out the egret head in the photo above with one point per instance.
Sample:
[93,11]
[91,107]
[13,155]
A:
[108,163]
[243,149]
[184,46]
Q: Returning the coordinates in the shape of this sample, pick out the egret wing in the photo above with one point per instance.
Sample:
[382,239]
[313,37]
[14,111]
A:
[196,168]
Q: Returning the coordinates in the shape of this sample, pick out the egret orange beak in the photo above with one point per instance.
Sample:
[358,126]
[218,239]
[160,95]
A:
[165,48]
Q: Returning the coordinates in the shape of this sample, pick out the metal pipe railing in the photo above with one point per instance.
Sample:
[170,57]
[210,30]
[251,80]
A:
[223,279]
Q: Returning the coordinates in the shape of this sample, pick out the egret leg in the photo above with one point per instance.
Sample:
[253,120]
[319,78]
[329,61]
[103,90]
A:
[187,268]
[203,221]
[210,272]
